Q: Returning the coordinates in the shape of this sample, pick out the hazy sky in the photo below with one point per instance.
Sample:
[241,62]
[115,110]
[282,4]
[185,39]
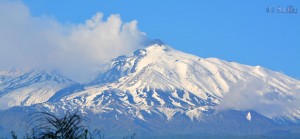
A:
[240,31]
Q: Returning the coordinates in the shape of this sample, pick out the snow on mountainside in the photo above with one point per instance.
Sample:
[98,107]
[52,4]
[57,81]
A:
[159,90]
[24,88]
[161,81]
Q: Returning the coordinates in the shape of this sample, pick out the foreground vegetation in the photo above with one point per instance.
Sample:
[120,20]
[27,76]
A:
[43,125]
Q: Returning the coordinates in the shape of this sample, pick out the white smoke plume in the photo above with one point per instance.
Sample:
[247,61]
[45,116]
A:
[77,50]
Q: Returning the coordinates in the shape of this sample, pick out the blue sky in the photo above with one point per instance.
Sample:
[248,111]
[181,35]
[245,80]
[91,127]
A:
[240,31]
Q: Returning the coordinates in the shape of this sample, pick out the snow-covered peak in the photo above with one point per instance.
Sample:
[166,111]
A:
[177,79]
[154,41]
[166,81]
[29,87]
[124,65]
[159,82]
[210,75]
[155,48]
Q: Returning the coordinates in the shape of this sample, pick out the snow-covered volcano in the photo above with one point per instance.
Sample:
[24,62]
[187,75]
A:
[159,85]
[164,81]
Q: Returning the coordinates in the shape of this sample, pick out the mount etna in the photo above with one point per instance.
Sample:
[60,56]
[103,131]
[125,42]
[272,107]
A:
[161,92]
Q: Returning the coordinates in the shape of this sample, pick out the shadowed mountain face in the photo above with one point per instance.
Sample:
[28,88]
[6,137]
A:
[159,91]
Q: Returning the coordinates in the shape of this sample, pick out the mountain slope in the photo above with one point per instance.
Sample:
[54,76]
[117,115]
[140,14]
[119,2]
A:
[24,88]
[159,90]
[160,80]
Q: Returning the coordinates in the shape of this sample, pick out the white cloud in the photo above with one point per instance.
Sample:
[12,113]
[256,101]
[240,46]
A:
[78,50]
[255,94]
